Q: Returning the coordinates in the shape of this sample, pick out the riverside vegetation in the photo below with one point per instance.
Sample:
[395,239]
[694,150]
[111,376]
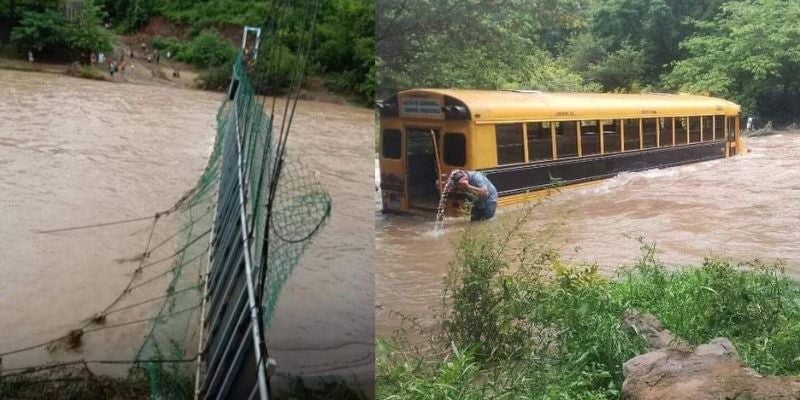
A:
[747,51]
[207,35]
[520,322]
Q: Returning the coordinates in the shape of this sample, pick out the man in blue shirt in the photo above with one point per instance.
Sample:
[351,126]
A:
[482,191]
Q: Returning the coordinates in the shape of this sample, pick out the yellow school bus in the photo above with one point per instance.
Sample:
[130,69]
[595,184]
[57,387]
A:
[523,141]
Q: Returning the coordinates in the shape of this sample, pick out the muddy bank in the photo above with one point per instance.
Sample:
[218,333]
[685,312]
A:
[152,74]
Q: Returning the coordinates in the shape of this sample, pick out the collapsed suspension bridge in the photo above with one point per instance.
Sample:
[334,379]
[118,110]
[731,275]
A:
[243,228]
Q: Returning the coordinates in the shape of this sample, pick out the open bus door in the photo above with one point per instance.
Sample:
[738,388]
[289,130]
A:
[422,167]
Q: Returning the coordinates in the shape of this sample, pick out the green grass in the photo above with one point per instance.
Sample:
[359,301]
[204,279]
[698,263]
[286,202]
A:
[89,72]
[521,323]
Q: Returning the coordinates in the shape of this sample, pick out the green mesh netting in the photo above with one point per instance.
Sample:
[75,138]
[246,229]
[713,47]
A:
[299,209]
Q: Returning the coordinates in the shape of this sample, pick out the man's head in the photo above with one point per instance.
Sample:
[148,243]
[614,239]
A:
[459,179]
[457,175]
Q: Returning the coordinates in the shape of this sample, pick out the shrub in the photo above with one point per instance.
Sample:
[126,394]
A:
[89,72]
[208,49]
[522,323]
[52,35]
[274,69]
[168,44]
[755,305]
[215,78]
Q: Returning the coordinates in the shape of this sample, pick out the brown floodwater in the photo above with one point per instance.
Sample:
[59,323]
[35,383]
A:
[741,208]
[76,152]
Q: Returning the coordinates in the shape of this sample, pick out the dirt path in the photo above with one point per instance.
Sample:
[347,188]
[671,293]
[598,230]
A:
[141,70]
[137,71]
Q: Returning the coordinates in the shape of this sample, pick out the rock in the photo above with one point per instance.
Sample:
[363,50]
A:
[711,371]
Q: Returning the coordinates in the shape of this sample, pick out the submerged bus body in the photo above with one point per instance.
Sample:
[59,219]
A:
[524,141]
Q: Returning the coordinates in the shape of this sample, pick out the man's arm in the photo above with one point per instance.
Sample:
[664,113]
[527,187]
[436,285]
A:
[480,191]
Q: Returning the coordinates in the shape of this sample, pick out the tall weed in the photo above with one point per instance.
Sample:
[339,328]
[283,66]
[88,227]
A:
[519,322]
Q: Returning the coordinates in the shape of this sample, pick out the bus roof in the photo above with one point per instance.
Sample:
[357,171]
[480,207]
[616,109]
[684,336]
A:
[506,105]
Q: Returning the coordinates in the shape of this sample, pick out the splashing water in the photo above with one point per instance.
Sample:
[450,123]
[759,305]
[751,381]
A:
[438,225]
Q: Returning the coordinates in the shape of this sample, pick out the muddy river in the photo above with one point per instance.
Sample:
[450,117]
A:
[75,152]
[741,208]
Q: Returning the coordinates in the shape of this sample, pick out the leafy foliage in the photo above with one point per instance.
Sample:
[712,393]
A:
[346,46]
[41,30]
[743,50]
[210,13]
[756,306]
[751,53]
[50,33]
[342,52]
[624,68]
[522,323]
[208,49]
[468,44]
[171,44]
[88,34]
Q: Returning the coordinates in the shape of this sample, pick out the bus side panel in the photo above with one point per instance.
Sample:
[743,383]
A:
[392,171]
[482,147]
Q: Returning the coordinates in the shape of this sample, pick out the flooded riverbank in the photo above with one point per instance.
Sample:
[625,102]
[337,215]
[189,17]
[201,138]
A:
[76,152]
[741,208]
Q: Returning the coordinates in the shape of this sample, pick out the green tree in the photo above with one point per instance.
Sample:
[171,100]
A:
[345,45]
[215,13]
[749,53]
[13,9]
[475,43]
[342,50]
[621,70]
[208,49]
[648,26]
[88,34]
[41,31]
[51,34]
[138,12]
[651,28]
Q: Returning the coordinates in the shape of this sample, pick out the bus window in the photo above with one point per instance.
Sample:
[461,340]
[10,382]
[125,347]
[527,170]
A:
[708,128]
[719,127]
[510,149]
[631,134]
[694,129]
[540,141]
[665,137]
[611,136]
[390,145]
[681,130]
[566,139]
[590,138]
[455,149]
[649,132]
